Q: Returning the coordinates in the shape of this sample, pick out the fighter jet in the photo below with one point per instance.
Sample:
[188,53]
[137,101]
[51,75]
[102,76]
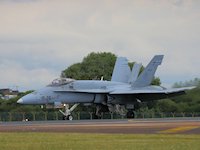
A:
[124,91]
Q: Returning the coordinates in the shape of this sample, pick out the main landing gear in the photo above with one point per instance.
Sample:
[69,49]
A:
[99,110]
[130,114]
[67,114]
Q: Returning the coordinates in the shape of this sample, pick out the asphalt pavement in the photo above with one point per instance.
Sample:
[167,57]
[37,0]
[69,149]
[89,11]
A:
[124,126]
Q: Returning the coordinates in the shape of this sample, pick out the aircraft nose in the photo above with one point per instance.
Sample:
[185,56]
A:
[30,99]
[20,101]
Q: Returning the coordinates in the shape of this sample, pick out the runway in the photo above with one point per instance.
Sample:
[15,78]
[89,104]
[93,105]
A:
[131,126]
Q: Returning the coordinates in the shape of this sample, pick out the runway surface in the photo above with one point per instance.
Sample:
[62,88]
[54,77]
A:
[132,126]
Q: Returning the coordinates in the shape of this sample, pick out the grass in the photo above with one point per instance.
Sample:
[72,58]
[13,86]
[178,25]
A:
[73,141]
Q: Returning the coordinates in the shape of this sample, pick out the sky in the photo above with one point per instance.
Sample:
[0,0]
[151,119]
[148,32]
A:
[40,38]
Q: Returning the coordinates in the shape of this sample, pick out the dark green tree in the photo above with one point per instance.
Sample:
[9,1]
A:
[93,66]
[156,81]
[167,105]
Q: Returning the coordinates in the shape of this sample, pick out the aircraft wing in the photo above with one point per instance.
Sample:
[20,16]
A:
[147,94]
[128,91]
[149,91]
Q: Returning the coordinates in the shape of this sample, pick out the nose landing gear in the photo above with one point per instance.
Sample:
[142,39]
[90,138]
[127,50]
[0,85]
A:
[67,114]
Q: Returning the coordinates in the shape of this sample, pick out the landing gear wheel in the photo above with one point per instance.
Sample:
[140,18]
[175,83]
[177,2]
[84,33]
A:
[130,114]
[96,117]
[70,118]
[67,117]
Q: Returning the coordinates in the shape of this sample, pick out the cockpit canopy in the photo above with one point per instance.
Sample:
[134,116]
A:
[61,81]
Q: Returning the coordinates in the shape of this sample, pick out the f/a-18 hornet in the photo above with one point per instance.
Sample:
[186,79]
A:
[126,88]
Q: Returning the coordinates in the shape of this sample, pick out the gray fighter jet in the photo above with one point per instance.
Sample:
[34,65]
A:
[124,90]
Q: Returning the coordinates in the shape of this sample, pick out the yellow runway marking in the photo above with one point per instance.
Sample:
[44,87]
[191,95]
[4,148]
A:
[179,129]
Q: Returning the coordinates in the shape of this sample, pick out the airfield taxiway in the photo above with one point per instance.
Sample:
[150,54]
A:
[131,126]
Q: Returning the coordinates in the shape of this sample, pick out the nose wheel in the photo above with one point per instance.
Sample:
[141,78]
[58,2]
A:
[67,114]
[69,117]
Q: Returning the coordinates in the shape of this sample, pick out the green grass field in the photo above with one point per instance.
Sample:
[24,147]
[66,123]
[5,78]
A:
[73,141]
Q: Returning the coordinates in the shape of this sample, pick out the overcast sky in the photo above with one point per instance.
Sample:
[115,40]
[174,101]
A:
[40,38]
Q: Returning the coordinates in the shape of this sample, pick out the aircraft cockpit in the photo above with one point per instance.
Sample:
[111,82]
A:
[61,81]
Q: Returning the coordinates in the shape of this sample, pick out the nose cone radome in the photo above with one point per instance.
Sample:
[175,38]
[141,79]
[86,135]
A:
[29,99]
[20,101]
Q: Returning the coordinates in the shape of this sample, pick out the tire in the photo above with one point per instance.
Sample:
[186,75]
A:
[130,115]
[70,118]
[96,117]
[64,118]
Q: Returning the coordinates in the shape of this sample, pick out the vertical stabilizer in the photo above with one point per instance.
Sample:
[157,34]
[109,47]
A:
[121,71]
[134,73]
[147,75]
